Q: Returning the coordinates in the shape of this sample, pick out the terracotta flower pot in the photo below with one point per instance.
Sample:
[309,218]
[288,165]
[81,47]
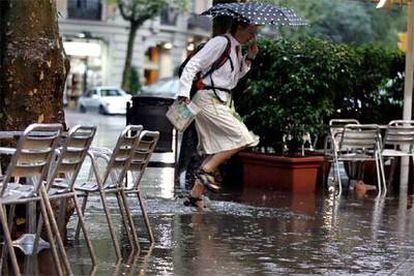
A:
[295,174]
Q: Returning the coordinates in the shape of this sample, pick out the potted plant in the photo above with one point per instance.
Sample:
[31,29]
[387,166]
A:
[293,89]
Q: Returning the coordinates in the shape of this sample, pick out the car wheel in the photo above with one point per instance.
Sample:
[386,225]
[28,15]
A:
[102,110]
[82,109]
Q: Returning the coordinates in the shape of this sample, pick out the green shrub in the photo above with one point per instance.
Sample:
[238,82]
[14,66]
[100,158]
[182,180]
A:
[295,87]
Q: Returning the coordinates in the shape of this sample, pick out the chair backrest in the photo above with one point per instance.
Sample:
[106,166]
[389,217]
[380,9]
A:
[360,138]
[72,153]
[336,128]
[146,144]
[122,153]
[337,125]
[33,153]
[400,133]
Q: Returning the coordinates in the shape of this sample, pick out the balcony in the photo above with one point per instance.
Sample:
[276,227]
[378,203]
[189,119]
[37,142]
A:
[85,9]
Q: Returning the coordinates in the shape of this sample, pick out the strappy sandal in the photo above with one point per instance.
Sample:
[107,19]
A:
[208,180]
[191,201]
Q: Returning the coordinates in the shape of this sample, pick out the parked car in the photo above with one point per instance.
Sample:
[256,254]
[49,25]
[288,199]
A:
[105,100]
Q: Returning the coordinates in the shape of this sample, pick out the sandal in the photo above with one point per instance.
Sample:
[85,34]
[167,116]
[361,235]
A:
[192,201]
[208,180]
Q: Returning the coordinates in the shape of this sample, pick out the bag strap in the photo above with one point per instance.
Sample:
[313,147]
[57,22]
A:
[221,60]
[219,63]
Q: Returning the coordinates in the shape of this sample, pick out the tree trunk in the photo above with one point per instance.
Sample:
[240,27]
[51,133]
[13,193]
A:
[33,66]
[128,59]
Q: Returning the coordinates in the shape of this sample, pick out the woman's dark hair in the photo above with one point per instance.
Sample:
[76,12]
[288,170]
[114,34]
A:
[236,24]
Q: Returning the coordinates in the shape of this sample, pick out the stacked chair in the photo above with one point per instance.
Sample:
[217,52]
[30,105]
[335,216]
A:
[115,177]
[30,159]
[50,162]
[140,159]
[64,171]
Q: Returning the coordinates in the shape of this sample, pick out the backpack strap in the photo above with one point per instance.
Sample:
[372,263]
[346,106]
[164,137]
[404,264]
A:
[221,60]
[219,63]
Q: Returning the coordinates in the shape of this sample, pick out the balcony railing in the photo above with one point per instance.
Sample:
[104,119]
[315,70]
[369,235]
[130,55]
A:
[85,9]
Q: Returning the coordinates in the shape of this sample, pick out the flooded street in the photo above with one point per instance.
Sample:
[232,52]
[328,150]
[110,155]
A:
[247,232]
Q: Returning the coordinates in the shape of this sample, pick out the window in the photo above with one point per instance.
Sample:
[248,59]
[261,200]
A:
[169,16]
[90,93]
[110,93]
[85,9]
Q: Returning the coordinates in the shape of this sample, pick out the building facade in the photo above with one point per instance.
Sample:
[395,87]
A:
[95,39]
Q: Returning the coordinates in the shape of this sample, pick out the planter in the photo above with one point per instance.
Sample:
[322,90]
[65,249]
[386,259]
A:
[370,176]
[294,174]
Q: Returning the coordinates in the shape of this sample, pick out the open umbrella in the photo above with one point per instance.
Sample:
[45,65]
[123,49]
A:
[257,14]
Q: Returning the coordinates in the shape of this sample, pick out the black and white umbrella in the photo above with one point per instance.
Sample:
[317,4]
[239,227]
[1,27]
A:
[257,14]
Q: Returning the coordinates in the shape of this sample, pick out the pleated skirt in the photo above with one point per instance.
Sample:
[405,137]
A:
[219,127]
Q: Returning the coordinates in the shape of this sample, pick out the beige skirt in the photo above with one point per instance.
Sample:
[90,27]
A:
[219,127]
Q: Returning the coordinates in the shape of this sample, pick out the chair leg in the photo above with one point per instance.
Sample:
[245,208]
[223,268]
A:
[130,219]
[125,221]
[55,228]
[338,175]
[84,202]
[8,241]
[62,213]
[38,233]
[84,230]
[45,220]
[384,182]
[146,219]
[111,228]
[377,167]
[10,223]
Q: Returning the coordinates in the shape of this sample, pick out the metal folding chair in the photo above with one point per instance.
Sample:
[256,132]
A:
[336,127]
[118,161]
[61,179]
[398,141]
[359,143]
[146,145]
[30,160]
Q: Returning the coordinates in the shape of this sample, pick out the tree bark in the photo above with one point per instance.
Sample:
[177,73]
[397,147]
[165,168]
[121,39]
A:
[33,66]
[128,59]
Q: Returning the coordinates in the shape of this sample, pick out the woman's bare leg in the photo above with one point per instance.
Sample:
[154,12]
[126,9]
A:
[210,164]
[215,160]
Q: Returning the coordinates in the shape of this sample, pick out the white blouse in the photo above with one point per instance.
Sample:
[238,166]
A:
[223,77]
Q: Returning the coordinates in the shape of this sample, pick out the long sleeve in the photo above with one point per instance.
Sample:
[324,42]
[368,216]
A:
[246,65]
[199,62]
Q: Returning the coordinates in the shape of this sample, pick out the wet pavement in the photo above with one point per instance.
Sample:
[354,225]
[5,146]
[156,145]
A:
[246,232]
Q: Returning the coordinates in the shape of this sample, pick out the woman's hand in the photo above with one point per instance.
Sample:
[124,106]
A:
[252,50]
[183,100]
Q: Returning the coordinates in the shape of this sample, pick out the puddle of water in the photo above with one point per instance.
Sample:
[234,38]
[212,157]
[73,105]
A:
[249,232]
[241,237]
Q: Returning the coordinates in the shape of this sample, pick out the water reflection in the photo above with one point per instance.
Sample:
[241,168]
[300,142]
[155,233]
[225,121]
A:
[255,233]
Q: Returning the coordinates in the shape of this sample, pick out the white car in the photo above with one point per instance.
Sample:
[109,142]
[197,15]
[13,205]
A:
[105,100]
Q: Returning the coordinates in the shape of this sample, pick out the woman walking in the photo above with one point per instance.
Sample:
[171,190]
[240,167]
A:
[220,131]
